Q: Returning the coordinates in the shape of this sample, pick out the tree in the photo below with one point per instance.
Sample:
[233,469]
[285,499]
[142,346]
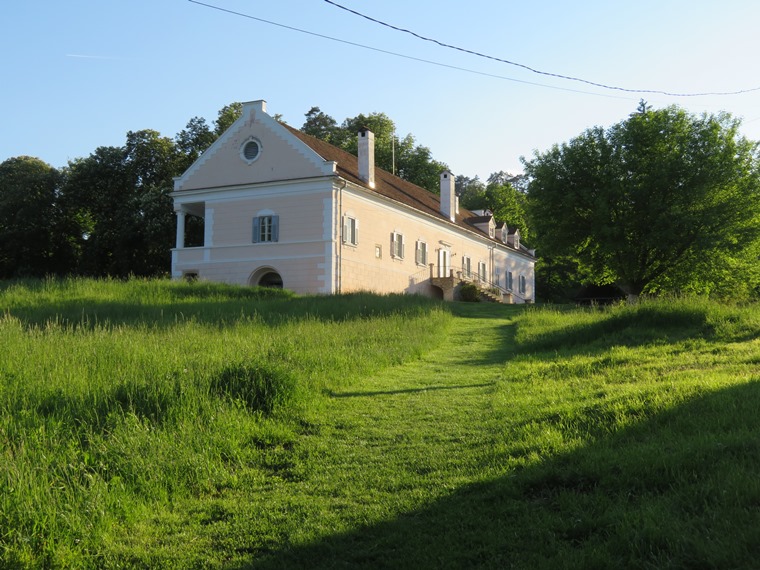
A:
[33,229]
[320,125]
[121,195]
[193,141]
[226,116]
[508,205]
[656,202]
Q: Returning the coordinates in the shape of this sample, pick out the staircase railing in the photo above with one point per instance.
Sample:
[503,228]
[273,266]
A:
[484,284]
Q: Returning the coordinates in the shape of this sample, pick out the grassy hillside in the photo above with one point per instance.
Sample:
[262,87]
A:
[120,402]
[165,425]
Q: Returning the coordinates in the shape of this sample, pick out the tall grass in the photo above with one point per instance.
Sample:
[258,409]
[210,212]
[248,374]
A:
[631,435]
[120,397]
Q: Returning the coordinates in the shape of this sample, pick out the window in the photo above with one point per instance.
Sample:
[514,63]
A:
[397,245]
[266,228]
[466,266]
[250,150]
[522,285]
[421,253]
[509,281]
[482,271]
[378,251]
[350,230]
[517,241]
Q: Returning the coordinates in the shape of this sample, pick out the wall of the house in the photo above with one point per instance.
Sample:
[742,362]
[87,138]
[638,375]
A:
[302,255]
[282,156]
[360,269]
[518,265]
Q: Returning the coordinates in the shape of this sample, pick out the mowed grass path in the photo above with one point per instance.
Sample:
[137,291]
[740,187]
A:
[380,448]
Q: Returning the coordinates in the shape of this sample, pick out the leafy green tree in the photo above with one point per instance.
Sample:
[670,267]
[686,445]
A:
[471,192]
[500,196]
[508,205]
[193,140]
[319,124]
[121,195]
[656,202]
[226,116]
[34,239]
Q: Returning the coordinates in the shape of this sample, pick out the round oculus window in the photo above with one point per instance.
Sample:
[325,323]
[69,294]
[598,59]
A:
[251,150]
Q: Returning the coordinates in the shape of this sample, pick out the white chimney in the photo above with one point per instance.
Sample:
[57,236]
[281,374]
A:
[367,156]
[448,196]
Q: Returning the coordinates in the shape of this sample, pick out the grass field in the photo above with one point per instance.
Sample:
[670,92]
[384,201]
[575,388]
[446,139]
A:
[152,424]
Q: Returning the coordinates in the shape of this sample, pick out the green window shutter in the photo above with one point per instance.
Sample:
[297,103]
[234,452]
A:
[256,229]
[275,228]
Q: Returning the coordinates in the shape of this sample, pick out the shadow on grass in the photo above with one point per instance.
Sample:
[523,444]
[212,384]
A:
[640,325]
[677,489]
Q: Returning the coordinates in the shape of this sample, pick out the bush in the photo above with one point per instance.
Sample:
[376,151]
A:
[469,293]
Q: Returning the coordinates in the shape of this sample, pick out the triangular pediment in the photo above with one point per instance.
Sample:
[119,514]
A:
[229,162]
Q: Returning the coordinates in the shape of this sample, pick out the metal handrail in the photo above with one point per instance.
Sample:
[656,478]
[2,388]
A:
[474,277]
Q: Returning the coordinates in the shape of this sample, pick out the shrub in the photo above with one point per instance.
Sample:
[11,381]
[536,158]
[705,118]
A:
[469,293]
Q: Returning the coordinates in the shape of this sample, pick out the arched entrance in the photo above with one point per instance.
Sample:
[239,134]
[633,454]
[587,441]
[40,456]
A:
[266,277]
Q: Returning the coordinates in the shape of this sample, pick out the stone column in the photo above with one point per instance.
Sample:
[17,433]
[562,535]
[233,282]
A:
[180,229]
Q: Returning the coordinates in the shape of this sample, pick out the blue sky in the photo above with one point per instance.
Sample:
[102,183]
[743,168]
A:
[80,74]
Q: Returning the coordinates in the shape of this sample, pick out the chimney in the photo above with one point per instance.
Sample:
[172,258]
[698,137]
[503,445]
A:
[448,196]
[367,156]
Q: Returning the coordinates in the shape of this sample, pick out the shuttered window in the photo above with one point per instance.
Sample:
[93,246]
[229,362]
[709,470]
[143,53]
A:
[266,229]
[421,253]
[397,245]
[350,230]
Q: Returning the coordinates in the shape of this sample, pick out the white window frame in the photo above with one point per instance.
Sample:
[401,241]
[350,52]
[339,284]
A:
[509,282]
[350,230]
[266,228]
[466,266]
[421,252]
[522,284]
[482,271]
[397,245]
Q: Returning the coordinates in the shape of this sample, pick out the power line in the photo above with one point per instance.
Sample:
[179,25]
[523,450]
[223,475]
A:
[539,72]
[396,54]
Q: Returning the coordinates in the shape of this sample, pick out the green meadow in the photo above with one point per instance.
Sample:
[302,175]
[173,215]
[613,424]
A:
[157,424]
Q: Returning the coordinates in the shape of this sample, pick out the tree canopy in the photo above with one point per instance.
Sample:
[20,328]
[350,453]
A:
[500,195]
[663,200]
[33,236]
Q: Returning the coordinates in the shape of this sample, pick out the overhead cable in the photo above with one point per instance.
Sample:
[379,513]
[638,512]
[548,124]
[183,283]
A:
[396,54]
[531,69]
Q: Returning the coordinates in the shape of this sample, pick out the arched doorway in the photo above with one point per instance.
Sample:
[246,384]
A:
[266,277]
